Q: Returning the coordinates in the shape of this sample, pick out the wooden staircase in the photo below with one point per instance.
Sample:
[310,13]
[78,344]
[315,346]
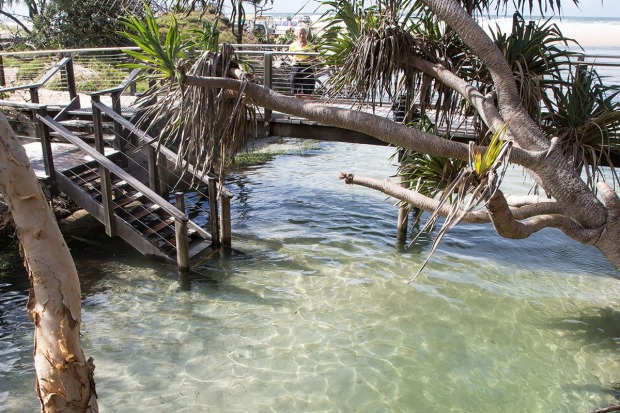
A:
[123,203]
[141,222]
[127,207]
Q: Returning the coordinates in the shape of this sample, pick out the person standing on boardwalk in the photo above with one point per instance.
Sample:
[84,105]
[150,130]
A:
[302,72]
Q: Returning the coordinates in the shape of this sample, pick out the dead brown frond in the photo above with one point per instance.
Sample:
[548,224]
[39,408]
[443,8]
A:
[205,126]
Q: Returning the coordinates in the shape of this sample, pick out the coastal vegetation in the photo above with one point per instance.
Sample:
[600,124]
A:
[445,60]
[558,127]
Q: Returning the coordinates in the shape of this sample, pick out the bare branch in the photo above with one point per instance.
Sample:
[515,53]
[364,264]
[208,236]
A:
[506,224]
[608,409]
[429,204]
[506,220]
[16,20]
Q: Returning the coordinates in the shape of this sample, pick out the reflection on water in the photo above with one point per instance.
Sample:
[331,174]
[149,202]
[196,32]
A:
[312,312]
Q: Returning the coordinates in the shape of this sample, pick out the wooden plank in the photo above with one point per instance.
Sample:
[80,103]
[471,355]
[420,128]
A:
[108,206]
[181,236]
[144,211]
[127,199]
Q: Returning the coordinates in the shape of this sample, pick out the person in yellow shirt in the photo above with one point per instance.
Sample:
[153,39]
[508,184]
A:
[302,72]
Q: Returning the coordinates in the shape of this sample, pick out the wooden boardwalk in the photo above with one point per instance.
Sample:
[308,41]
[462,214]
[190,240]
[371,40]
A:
[66,157]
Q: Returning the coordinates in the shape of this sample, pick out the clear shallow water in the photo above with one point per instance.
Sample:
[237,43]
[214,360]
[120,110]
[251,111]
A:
[312,312]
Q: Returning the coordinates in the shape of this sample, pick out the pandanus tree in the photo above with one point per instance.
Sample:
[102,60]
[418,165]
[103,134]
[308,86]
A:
[437,52]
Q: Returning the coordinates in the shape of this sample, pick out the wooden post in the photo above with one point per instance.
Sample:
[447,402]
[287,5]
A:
[98,125]
[34,94]
[213,220]
[153,172]
[180,233]
[119,138]
[162,173]
[268,65]
[2,78]
[43,134]
[581,68]
[225,227]
[179,199]
[104,174]
[403,213]
[70,77]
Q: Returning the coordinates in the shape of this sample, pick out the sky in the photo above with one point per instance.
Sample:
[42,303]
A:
[587,8]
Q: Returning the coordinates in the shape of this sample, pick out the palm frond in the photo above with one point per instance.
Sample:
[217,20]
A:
[585,116]
[160,58]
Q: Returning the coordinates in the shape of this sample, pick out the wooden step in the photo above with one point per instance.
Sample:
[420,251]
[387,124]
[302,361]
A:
[157,227]
[143,211]
[127,199]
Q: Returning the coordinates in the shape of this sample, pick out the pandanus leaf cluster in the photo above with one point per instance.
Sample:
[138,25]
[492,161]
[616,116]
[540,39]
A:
[205,126]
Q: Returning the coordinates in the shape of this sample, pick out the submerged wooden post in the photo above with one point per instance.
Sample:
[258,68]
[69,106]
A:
[213,220]
[225,227]
[181,236]
[403,213]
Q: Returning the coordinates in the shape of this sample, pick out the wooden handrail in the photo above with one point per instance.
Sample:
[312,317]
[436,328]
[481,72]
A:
[121,87]
[22,105]
[87,50]
[46,77]
[115,169]
[149,140]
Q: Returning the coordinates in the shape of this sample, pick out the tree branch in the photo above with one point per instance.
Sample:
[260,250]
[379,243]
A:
[376,126]
[483,104]
[508,226]
[16,20]
[430,204]
[527,133]
[506,220]
[559,179]
[608,409]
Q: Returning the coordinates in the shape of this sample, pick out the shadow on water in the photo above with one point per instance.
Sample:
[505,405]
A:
[215,276]
[597,328]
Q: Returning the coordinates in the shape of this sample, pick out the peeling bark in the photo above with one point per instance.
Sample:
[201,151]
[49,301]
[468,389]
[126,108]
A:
[609,241]
[64,378]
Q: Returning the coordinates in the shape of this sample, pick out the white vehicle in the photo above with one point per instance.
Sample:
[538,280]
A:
[284,26]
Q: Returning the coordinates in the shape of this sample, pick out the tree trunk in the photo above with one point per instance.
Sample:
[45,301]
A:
[64,378]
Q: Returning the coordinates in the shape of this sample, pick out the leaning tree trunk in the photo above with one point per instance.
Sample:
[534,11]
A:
[64,378]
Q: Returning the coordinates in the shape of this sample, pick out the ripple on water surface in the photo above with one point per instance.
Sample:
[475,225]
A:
[313,313]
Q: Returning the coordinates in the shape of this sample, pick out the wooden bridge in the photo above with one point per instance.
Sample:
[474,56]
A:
[94,154]
[115,172]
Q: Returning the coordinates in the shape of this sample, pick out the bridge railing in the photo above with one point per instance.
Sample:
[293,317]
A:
[93,70]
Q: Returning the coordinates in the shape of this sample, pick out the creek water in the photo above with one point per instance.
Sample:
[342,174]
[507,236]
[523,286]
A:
[312,312]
